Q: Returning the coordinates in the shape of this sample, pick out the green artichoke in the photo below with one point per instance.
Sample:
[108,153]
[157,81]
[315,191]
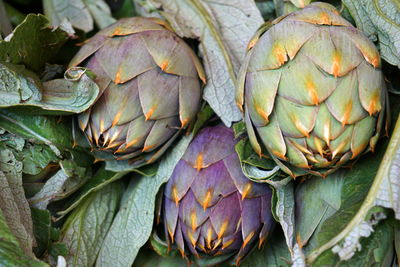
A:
[210,207]
[312,91]
[150,88]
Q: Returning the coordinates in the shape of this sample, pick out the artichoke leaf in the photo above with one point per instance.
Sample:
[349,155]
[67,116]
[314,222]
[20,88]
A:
[379,20]
[22,88]
[127,234]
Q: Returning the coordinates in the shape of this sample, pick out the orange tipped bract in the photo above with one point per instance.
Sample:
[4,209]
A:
[312,91]
[150,88]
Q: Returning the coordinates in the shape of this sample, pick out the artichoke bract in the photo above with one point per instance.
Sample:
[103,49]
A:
[210,207]
[150,87]
[312,91]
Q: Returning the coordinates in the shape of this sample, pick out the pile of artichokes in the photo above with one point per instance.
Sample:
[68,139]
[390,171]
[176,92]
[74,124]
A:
[311,90]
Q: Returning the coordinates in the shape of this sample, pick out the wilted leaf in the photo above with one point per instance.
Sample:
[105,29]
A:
[66,181]
[32,43]
[379,19]
[20,87]
[80,13]
[86,228]
[224,28]
[133,223]
[13,203]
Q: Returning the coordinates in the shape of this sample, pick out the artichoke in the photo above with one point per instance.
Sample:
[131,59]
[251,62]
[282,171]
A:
[150,88]
[210,207]
[312,91]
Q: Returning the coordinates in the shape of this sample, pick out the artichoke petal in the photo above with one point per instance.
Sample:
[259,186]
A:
[223,218]
[189,99]
[150,89]
[344,104]
[272,138]
[210,147]
[261,97]
[363,130]
[211,183]
[191,212]
[178,185]
[304,83]
[169,54]
[162,130]
[120,63]
[370,82]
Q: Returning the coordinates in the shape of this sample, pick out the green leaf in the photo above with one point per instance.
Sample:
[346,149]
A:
[13,204]
[20,87]
[42,129]
[316,200]
[95,183]
[148,258]
[86,228]
[133,223]
[62,184]
[267,9]
[255,168]
[224,29]
[380,21]
[122,8]
[10,252]
[32,43]
[80,13]
[41,228]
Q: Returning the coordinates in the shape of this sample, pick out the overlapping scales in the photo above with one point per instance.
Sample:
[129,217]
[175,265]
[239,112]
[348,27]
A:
[149,83]
[312,90]
[210,207]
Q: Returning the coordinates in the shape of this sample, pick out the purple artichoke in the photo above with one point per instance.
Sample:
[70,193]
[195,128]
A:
[210,207]
[149,83]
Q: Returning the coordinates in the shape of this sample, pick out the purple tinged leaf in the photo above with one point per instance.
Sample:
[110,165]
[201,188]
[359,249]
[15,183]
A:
[251,219]
[124,58]
[212,144]
[163,129]
[191,212]
[211,184]
[224,217]
[180,181]
[88,49]
[171,217]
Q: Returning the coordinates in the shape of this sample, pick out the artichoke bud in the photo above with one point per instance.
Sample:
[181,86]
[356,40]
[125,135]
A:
[150,87]
[210,207]
[312,91]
